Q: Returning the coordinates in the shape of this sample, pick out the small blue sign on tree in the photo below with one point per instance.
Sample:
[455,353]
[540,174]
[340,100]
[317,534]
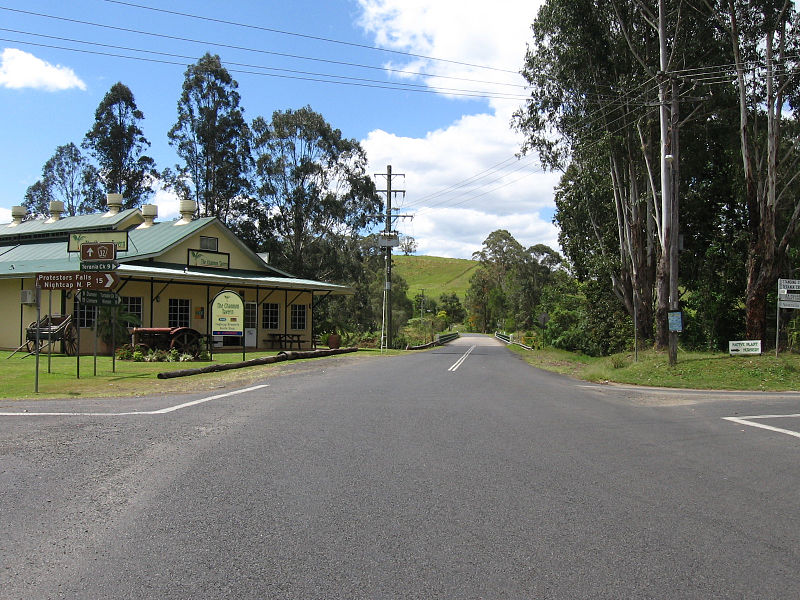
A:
[675,320]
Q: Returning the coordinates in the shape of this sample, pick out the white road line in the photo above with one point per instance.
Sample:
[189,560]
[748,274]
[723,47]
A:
[161,411]
[748,421]
[460,361]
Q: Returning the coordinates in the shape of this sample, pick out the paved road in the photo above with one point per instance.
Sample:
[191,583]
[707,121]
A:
[455,473]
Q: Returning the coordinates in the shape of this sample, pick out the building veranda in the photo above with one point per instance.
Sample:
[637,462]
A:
[169,272]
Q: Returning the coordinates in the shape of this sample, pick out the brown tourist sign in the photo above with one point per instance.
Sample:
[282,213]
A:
[76,280]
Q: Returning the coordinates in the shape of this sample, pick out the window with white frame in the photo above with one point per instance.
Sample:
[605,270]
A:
[133,305]
[269,315]
[179,312]
[298,316]
[250,315]
[85,314]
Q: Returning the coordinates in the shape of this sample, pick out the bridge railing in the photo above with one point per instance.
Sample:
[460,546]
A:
[509,339]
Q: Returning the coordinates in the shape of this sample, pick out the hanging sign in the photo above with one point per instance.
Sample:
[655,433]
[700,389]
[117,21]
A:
[388,240]
[118,238]
[208,259]
[227,314]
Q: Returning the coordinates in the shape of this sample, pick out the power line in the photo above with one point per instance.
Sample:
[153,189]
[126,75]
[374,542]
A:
[307,36]
[472,180]
[334,79]
[249,49]
[476,196]
[401,85]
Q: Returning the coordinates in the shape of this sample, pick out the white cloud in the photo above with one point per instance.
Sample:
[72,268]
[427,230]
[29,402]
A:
[464,33]
[167,202]
[458,232]
[20,69]
[463,180]
[5,215]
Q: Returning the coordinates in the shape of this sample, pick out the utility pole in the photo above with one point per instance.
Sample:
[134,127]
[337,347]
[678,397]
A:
[669,151]
[389,239]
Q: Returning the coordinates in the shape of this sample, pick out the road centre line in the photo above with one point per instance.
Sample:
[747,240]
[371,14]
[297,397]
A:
[461,360]
[161,411]
[750,423]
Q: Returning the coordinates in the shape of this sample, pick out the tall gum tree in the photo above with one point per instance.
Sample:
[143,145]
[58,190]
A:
[765,46]
[587,102]
[117,143]
[312,191]
[67,177]
[211,137]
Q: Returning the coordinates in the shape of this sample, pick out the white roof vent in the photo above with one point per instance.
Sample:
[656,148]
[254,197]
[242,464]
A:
[150,214]
[114,204]
[18,213]
[187,208]
[56,210]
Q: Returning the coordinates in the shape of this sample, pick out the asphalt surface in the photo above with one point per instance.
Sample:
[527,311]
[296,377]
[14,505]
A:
[458,472]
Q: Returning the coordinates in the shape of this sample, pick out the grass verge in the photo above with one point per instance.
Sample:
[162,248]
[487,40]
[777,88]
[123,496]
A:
[130,378]
[695,370]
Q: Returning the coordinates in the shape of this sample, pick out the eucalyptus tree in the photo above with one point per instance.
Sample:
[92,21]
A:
[117,143]
[764,38]
[312,190]
[211,137]
[508,285]
[598,81]
[69,177]
[589,108]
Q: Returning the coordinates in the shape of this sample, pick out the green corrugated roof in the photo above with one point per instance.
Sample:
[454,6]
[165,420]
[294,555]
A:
[146,241]
[27,259]
[40,227]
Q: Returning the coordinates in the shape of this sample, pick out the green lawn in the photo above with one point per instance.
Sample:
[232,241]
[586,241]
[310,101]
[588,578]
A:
[434,274]
[130,379]
[695,370]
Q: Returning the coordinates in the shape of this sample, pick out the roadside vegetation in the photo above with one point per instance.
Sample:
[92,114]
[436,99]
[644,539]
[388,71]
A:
[695,370]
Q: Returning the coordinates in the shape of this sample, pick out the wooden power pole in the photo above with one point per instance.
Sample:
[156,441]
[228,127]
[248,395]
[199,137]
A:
[389,240]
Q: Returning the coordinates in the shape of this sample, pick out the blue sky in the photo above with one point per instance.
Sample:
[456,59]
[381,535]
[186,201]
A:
[451,138]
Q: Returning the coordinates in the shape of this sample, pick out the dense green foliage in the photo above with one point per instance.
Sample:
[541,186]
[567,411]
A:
[117,143]
[212,139]
[67,177]
[729,82]
[530,292]
[312,193]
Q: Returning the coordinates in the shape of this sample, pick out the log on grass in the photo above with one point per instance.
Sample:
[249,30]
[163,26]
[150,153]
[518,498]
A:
[264,360]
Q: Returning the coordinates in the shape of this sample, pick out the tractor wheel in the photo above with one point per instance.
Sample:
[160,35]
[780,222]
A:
[187,342]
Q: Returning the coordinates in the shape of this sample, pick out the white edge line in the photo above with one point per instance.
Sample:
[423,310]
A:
[161,411]
[745,421]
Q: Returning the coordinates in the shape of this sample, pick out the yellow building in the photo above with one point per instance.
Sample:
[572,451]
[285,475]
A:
[169,272]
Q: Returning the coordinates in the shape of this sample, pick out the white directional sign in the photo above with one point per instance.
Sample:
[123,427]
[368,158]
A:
[744,347]
[788,293]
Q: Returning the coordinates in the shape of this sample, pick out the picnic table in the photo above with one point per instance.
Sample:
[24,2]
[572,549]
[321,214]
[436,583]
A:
[284,341]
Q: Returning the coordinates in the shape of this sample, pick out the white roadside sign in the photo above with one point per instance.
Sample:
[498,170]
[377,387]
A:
[784,285]
[744,347]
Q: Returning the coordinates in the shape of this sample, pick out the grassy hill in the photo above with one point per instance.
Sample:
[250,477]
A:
[434,274]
